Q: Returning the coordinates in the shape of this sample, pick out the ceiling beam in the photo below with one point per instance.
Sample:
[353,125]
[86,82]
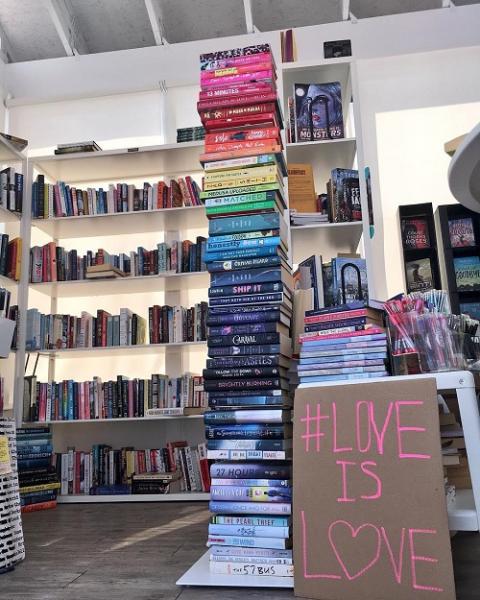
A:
[247,7]
[6,52]
[66,26]
[155,15]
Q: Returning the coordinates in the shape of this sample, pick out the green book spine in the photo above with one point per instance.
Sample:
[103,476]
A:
[267,205]
[244,189]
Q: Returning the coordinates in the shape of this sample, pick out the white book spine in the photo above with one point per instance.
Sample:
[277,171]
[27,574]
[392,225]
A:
[232,568]
[64,475]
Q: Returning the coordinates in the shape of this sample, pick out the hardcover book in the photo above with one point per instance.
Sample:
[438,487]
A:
[419,275]
[415,233]
[318,111]
[462,232]
[467,273]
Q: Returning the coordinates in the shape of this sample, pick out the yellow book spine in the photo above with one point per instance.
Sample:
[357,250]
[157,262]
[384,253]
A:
[243,181]
[237,173]
[39,488]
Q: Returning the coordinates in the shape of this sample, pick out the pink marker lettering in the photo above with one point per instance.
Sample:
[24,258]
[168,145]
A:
[415,558]
[336,450]
[344,464]
[359,428]
[401,429]
[364,466]
[354,532]
[318,434]
[306,574]
[380,435]
[397,565]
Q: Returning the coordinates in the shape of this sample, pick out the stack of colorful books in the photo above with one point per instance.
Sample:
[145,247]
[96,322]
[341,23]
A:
[343,342]
[249,317]
[37,477]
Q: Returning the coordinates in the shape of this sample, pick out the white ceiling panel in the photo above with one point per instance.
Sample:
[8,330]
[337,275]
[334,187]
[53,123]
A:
[270,15]
[376,8]
[29,30]
[108,25]
[187,20]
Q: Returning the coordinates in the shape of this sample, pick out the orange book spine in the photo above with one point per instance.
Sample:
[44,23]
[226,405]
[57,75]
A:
[229,146]
[40,506]
[211,156]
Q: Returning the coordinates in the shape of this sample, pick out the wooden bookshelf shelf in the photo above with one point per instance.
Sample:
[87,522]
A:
[116,350]
[118,165]
[141,221]
[108,421]
[183,497]
[124,285]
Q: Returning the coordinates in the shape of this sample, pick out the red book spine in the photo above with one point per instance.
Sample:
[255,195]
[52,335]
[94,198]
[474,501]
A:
[229,146]
[58,203]
[268,119]
[222,137]
[205,474]
[191,191]
[237,111]
[40,506]
[339,316]
[228,101]
[212,156]
[246,89]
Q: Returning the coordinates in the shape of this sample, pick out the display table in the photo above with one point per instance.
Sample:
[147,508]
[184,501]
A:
[464,515]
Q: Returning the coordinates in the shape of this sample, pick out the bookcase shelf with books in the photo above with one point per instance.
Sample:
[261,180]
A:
[120,232]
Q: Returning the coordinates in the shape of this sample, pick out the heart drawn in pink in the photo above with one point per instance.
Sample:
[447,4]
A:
[354,532]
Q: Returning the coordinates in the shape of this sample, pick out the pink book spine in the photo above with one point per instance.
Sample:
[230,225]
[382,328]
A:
[340,316]
[236,61]
[191,191]
[58,202]
[244,89]
[236,100]
[333,336]
[243,77]
[74,201]
[325,332]
[240,70]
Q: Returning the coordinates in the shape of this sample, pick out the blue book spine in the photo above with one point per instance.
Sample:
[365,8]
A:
[248,530]
[71,407]
[34,449]
[214,246]
[215,351]
[267,298]
[245,235]
[248,508]
[240,253]
[248,444]
[30,463]
[245,431]
[244,223]
[227,318]
[246,263]
[253,482]
[263,275]
[341,358]
[246,288]
[319,379]
[251,494]
[244,329]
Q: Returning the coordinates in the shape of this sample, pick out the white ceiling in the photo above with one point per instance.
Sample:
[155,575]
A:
[38,29]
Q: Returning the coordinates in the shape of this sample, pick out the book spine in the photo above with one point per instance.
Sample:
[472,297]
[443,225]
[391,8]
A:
[221,137]
[246,288]
[241,191]
[284,483]
[231,362]
[226,454]
[248,444]
[251,569]
[239,253]
[225,431]
[218,351]
[277,298]
[373,334]
[266,75]
[249,542]
[236,384]
[245,372]
[240,340]
[254,508]
[333,317]
[249,263]
[249,318]
[331,326]
[270,522]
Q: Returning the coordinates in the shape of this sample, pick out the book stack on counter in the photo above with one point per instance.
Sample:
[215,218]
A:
[249,316]
[176,468]
[343,342]
[37,477]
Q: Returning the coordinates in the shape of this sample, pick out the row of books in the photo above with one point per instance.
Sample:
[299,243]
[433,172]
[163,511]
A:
[315,112]
[190,134]
[53,263]
[61,200]
[250,304]
[10,257]
[177,467]
[37,478]
[345,342]
[415,233]
[123,397]
[177,324]
[11,189]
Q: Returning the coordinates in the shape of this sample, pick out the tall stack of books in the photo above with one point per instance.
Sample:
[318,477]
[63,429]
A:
[37,477]
[343,342]
[249,317]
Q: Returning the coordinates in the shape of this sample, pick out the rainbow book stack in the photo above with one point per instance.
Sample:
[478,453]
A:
[248,427]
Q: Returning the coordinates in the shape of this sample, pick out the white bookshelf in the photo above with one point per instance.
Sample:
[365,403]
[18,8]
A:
[150,164]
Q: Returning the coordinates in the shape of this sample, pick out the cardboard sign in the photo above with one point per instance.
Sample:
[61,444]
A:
[370,518]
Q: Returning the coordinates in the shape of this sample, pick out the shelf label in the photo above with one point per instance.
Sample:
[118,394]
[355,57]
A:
[370,517]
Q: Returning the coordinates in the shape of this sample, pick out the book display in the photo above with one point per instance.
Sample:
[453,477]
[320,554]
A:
[419,246]
[39,483]
[458,233]
[248,426]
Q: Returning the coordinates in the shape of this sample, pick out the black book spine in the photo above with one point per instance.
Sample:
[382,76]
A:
[229,362]
[256,383]
[241,372]
[245,339]
[246,288]
[243,350]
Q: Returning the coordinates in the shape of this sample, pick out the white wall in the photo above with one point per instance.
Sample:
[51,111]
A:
[411,105]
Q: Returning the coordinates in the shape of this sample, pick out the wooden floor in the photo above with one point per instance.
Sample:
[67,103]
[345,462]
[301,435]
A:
[138,551]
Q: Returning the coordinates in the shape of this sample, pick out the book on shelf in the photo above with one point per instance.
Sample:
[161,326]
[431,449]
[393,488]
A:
[318,111]
[467,273]
[75,147]
[301,188]
[461,232]
[190,134]
[18,143]
[288,46]
[349,279]
[177,324]
[307,218]
[344,196]
[10,257]
[309,276]
[123,397]
[103,272]
[63,200]
[419,275]
[53,263]
[11,189]
[177,467]
[415,233]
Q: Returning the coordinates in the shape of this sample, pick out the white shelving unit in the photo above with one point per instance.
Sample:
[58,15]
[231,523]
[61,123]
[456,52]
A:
[82,170]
